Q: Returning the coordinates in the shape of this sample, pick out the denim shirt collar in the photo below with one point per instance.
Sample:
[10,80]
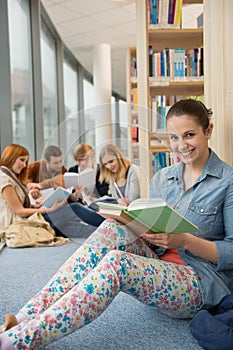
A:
[210,169]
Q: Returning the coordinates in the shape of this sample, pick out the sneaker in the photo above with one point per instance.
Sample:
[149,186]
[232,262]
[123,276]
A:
[2,328]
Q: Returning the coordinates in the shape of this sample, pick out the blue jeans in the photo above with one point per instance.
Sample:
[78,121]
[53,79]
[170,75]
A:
[69,212]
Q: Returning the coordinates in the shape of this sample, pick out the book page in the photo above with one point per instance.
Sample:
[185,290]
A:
[85,178]
[110,206]
[59,193]
[142,203]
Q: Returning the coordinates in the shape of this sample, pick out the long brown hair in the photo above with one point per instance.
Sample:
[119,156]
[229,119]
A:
[193,108]
[9,156]
[108,175]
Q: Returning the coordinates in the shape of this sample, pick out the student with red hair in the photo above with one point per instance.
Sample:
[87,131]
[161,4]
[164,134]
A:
[14,200]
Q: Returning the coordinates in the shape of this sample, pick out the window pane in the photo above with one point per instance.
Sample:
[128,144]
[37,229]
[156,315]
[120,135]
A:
[49,84]
[72,128]
[89,115]
[21,74]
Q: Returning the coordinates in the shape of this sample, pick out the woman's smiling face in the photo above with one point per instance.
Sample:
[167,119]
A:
[20,164]
[188,140]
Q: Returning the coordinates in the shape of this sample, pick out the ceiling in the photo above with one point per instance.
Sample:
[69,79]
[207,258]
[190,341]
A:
[82,24]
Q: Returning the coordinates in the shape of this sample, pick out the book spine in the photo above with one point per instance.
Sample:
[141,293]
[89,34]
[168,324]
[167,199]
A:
[164,13]
[167,55]
[171,11]
[153,11]
[178,13]
[201,62]
[150,61]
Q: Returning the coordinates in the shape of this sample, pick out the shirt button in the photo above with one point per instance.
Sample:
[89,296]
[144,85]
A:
[202,210]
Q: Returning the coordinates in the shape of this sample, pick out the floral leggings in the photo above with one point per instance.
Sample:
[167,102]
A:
[111,260]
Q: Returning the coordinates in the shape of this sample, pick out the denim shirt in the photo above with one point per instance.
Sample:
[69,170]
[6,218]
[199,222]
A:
[209,205]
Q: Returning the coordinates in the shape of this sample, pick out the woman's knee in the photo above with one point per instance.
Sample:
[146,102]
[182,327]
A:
[114,257]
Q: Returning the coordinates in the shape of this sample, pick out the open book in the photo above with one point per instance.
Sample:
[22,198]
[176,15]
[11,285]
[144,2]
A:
[145,214]
[59,193]
[86,178]
[44,193]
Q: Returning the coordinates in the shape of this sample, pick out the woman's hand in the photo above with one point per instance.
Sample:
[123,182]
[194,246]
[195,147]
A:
[76,194]
[165,240]
[38,203]
[123,201]
[196,245]
[33,185]
[35,192]
[56,205]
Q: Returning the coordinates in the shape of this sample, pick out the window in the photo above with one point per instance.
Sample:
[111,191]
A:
[49,85]
[72,120]
[21,73]
[89,113]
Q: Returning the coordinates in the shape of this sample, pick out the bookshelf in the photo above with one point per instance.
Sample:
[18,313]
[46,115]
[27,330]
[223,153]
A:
[132,98]
[151,141]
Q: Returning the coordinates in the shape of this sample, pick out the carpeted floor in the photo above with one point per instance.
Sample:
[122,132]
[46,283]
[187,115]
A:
[127,324]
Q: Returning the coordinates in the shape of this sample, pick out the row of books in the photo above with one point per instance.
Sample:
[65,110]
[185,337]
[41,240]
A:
[176,63]
[163,159]
[134,98]
[160,160]
[133,67]
[160,105]
[164,13]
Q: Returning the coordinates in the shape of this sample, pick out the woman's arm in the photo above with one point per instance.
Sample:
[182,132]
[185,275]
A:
[16,206]
[132,190]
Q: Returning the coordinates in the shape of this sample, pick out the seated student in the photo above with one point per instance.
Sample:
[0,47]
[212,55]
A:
[118,172]
[84,155]
[178,274]
[14,201]
[46,172]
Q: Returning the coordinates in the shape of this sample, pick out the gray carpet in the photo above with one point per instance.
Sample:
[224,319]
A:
[127,324]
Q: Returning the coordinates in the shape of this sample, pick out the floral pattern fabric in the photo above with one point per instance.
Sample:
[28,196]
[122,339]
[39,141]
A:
[111,260]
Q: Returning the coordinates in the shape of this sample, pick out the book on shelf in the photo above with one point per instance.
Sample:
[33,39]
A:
[160,160]
[58,194]
[159,109]
[86,178]
[133,67]
[145,214]
[164,13]
[134,98]
[178,13]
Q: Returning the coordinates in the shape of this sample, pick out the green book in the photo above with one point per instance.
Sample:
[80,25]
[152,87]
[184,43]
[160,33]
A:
[152,213]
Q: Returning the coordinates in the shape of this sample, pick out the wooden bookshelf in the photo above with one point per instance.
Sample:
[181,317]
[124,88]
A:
[194,88]
[159,39]
[132,84]
[187,38]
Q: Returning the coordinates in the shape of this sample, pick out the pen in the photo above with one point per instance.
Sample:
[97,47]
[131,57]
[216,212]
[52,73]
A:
[118,190]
